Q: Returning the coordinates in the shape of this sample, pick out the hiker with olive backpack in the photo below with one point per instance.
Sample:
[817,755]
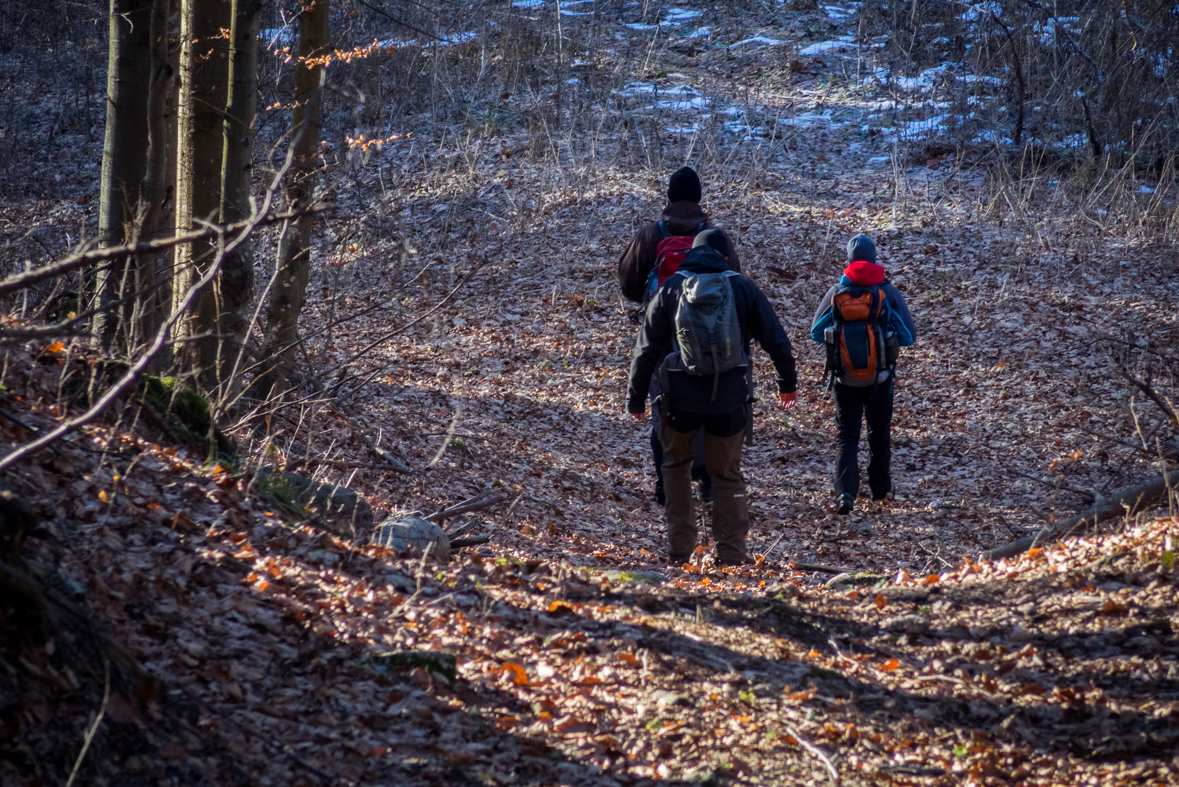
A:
[695,339]
[654,254]
[863,321]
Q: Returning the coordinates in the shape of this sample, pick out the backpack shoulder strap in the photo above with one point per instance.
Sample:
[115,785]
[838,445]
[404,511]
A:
[663,231]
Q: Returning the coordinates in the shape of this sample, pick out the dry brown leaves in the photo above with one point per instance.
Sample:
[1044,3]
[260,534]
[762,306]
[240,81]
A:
[582,658]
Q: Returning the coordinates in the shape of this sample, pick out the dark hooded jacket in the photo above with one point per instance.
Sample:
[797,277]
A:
[693,393]
[683,218]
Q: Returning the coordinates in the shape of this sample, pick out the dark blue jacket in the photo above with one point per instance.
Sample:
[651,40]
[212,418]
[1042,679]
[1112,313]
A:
[900,321]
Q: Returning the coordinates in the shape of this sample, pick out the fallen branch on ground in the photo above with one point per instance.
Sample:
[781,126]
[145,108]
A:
[817,752]
[1128,501]
[477,503]
[822,568]
[459,543]
[393,462]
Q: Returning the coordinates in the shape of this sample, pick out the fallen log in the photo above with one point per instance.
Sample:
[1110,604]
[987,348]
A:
[477,503]
[1127,501]
[823,569]
[459,543]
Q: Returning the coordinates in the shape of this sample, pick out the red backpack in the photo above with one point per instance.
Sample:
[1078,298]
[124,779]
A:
[668,255]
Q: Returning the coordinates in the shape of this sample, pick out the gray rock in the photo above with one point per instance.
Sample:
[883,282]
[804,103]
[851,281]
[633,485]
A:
[671,698]
[338,506]
[413,535]
[909,624]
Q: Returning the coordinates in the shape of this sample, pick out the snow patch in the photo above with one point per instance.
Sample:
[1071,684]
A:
[758,40]
[821,47]
[678,16]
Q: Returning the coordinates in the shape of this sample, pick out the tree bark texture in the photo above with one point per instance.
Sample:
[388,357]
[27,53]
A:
[294,255]
[152,307]
[123,163]
[235,284]
[204,87]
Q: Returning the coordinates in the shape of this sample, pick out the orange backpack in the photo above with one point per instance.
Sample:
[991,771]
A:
[860,348]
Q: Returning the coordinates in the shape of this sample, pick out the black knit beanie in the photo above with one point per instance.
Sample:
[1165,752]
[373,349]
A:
[860,248]
[684,186]
[715,240]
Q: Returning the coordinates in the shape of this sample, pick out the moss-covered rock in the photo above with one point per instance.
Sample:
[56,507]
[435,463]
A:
[191,412]
[338,507]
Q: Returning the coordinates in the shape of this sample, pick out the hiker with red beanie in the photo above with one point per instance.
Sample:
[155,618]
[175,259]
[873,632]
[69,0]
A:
[863,320]
[681,220]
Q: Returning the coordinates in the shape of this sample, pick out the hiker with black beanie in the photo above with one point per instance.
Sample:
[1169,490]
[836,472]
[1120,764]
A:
[695,339]
[683,216]
[863,320]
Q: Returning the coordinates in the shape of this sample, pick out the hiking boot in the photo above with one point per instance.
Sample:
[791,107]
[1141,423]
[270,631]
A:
[705,492]
[679,560]
[846,504]
[888,496]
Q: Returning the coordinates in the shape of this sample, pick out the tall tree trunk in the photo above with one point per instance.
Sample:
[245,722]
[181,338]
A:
[152,306]
[294,253]
[236,282]
[204,86]
[123,162]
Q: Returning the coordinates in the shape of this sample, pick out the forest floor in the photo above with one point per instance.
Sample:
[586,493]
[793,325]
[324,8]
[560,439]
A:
[582,657]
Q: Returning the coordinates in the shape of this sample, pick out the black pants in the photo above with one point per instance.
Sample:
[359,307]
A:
[852,406]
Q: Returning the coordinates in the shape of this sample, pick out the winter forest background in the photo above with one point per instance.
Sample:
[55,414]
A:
[273,271]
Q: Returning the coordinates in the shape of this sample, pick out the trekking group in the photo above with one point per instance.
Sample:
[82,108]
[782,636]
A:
[692,360]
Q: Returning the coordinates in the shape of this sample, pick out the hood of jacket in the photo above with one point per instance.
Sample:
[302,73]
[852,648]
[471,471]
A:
[864,273]
[704,259]
[684,217]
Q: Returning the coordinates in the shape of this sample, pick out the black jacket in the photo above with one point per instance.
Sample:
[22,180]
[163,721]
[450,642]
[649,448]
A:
[636,262]
[692,393]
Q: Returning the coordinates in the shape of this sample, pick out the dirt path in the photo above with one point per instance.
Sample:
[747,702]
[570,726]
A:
[579,656]
[529,361]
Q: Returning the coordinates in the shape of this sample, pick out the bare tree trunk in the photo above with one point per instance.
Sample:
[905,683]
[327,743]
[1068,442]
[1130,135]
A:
[236,281]
[123,162]
[204,83]
[152,307]
[294,254]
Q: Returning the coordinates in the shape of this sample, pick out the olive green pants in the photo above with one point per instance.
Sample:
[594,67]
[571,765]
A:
[722,457]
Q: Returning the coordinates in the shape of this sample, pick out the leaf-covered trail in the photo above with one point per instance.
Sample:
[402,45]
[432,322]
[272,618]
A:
[527,363]
[581,658]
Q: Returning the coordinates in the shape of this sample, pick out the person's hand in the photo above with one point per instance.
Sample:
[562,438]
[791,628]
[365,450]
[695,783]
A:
[639,416]
[788,400]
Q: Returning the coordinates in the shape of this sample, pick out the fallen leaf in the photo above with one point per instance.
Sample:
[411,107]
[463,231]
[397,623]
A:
[519,676]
